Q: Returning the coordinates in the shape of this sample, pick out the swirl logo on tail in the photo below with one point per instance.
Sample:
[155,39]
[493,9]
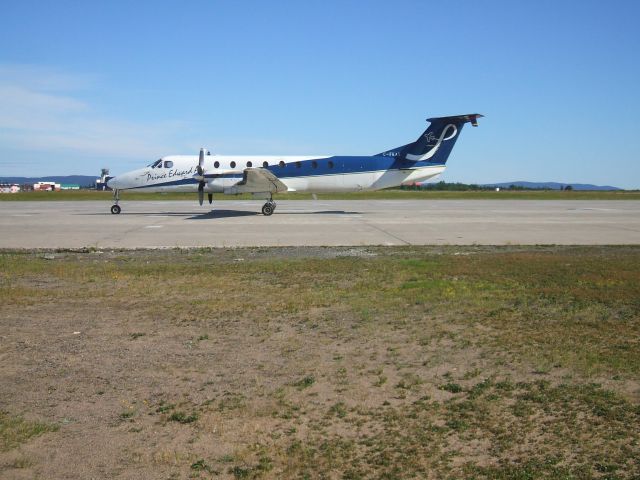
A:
[445,135]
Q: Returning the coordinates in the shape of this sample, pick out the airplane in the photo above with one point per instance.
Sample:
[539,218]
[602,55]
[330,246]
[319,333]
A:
[262,176]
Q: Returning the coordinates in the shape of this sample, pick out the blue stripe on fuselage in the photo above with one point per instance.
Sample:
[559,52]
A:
[344,165]
[339,165]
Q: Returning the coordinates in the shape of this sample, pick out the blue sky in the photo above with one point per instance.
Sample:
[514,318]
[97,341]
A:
[118,84]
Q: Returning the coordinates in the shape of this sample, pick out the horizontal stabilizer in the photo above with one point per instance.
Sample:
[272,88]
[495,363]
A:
[470,117]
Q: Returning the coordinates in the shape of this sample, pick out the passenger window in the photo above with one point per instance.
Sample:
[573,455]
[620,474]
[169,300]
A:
[298,164]
[265,164]
[216,164]
[168,164]
[233,164]
[249,164]
[281,164]
[314,164]
[330,164]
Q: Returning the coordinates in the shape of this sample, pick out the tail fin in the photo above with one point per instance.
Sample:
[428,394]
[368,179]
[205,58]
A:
[435,144]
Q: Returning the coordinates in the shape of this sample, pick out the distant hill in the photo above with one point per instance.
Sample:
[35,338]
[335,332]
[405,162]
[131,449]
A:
[82,180]
[457,186]
[552,185]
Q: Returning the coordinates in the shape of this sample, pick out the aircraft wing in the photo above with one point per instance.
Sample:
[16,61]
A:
[259,180]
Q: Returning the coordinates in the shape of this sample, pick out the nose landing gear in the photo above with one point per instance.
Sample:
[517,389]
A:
[115,208]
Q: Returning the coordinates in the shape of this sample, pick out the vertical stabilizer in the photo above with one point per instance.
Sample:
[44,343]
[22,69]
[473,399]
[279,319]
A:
[437,141]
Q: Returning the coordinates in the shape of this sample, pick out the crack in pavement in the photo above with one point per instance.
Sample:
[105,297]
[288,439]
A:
[382,230]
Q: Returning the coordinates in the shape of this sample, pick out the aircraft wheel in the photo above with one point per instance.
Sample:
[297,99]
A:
[115,209]
[267,209]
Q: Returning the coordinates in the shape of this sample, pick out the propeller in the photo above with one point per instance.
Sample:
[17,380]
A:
[200,176]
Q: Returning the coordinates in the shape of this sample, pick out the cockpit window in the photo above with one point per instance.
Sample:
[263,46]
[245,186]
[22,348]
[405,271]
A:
[168,164]
[156,164]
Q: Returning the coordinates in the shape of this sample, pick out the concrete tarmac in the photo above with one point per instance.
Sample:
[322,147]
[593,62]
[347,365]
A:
[150,224]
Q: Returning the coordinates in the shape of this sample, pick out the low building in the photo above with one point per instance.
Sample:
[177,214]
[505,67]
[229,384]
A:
[46,187]
[9,188]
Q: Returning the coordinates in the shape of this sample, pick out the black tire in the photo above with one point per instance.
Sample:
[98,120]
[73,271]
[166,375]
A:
[267,209]
[115,209]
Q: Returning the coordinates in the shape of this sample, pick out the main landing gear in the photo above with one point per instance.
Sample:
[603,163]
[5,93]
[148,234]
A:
[268,208]
[115,208]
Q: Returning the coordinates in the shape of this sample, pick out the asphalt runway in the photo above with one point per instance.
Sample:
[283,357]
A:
[151,224]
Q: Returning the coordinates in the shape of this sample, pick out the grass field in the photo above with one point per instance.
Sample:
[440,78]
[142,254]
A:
[390,363]
[71,195]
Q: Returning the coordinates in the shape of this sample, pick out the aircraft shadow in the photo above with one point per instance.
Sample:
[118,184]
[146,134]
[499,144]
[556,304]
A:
[213,214]
[218,213]
[222,214]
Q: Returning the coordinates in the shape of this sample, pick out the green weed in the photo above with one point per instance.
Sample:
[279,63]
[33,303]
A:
[182,417]
[305,382]
[15,430]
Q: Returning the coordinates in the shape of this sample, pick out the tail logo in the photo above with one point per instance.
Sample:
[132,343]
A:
[448,133]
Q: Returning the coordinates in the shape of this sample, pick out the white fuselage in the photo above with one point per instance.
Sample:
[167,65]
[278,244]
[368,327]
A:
[313,174]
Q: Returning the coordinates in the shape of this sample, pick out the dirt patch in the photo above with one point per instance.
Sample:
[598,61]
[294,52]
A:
[321,363]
